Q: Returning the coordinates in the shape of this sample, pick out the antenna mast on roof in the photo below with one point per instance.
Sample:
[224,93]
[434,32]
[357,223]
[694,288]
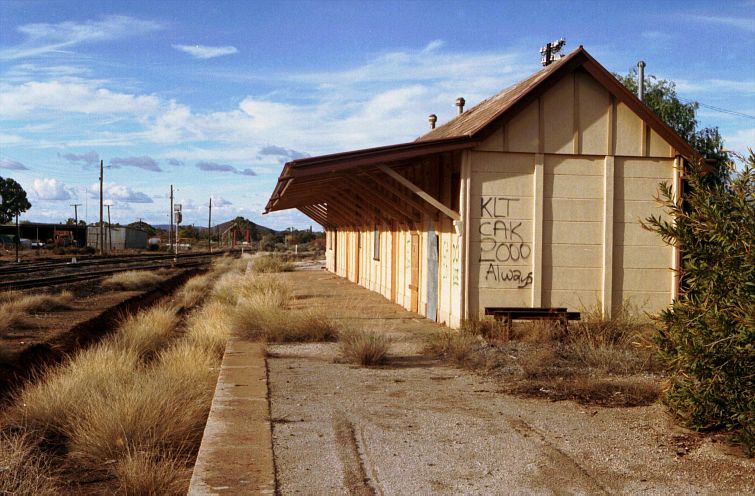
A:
[551,52]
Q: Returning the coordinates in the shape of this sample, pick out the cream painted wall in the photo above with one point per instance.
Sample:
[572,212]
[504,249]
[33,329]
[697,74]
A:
[591,239]
[599,167]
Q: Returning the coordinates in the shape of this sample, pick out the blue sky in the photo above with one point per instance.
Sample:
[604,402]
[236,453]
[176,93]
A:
[213,97]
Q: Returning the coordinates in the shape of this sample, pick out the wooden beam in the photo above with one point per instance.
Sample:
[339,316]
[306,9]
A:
[384,206]
[313,215]
[401,193]
[419,192]
[343,212]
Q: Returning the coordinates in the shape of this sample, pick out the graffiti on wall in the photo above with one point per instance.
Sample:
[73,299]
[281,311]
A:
[455,262]
[502,244]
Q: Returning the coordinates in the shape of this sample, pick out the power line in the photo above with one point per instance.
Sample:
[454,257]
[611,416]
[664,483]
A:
[719,109]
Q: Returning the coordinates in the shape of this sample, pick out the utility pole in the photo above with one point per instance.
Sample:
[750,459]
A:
[18,239]
[641,80]
[75,212]
[75,217]
[102,232]
[109,231]
[170,232]
[209,228]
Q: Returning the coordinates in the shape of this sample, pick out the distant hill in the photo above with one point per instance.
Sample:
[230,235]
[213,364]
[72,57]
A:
[257,229]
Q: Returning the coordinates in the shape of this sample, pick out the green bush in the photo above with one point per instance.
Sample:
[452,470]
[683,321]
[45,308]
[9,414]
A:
[707,337]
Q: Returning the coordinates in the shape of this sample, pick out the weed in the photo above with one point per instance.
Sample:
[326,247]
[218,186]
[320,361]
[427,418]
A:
[364,347]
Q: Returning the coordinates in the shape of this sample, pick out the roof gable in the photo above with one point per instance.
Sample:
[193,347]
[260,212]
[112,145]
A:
[482,119]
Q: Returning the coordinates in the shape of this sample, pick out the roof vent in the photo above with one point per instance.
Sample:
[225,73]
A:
[460,105]
[433,119]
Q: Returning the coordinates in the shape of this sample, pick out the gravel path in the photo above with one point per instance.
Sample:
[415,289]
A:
[416,426]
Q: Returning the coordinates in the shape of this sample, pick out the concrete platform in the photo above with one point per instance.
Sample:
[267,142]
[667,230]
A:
[236,455]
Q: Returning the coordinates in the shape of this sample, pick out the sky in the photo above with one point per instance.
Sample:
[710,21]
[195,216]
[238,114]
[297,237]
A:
[214,97]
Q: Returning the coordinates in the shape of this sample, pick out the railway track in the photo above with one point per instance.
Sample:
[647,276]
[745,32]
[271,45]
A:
[10,269]
[70,273]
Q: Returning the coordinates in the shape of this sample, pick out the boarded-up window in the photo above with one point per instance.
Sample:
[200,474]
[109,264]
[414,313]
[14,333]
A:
[376,243]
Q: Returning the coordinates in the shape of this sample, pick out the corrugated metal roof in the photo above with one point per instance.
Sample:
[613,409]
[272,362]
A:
[477,117]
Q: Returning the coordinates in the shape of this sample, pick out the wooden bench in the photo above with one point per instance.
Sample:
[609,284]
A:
[509,314]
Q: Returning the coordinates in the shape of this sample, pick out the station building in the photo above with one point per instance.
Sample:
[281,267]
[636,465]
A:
[532,198]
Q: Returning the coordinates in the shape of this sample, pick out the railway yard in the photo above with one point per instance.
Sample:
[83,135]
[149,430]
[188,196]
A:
[48,334]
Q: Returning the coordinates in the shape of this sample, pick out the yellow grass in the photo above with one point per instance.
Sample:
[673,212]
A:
[142,473]
[23,471]
[51,404]
[146,332]
[209,328]
[14,306]
[271,263]
[133,280]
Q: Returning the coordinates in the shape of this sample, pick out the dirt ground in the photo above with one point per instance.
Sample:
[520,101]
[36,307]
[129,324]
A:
[417,426]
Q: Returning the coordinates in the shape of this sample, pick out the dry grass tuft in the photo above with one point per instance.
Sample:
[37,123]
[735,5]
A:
[23,470]
[51,404]
[620,344]
[146,332]
[255,320]
[142,473]
[271,263]
[364,347]
[195,290]
[599,361]
[208,328]
[132,280]
[15,306]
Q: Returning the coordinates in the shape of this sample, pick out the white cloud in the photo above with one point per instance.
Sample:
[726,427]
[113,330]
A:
[50,189]
[119,193]
[41,38]
[740,141]
[70,97]
[746,23]
[716,86]
[6,163]
[206,52]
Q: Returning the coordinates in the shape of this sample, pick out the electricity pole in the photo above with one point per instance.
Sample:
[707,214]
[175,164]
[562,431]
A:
[75,218]
[102,232]
[75,212]
[209,228]
[170,232]
[109,231]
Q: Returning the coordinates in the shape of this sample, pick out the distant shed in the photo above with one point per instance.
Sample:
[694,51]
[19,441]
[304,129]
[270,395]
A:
[532,198]
[118,237]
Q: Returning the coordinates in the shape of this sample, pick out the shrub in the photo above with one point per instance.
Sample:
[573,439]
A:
[707,337]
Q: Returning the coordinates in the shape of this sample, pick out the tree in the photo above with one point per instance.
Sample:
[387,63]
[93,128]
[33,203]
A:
[707,337]
[661,98]
[13,200]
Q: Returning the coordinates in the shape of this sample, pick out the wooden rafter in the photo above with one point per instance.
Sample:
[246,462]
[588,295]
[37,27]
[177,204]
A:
[420,192]
[376,200]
